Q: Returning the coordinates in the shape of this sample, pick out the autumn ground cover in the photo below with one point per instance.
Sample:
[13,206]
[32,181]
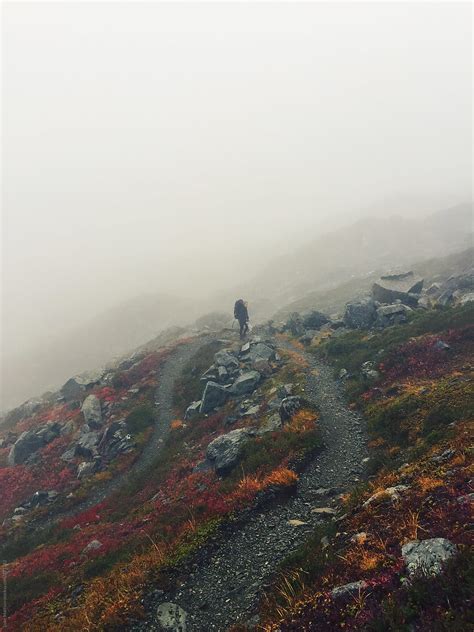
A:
[90,571]
[420,415]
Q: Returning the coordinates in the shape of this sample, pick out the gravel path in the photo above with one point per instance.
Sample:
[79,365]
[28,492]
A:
[170,371]
[228,577]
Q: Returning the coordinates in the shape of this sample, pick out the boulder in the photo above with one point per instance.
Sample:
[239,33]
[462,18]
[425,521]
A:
[171,617]
[245,383]
[24,447]
[222,374]
[87,444]
[261,351]
[214,395]
[192,411]
[360,314]
[427,557]
[226,359]
[262,366]
[405,286]
[85,469]
[49,432]
[270,424]
[76,386]
[294,324]
[39,499]
[395,314]
[92,411]
[285,390]
[314,319]
[224,451]
[289,406]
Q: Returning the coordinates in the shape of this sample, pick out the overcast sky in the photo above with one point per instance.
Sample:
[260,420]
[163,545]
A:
[145,143]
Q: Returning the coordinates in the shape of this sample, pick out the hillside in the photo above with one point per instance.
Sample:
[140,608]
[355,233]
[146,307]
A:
[312,478]
[315,273]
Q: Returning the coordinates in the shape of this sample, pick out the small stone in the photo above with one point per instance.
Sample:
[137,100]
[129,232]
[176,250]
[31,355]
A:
[294,522]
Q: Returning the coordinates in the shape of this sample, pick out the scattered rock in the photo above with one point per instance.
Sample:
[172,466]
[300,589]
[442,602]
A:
[404,287]
[391,493]
[289,406]
[94,545]
[388,315]
[314,319]
[193,410]
[226,359]
[214,395]
[349,590]
[427,557]
[294,522]
[324,511]
[271,424]
[92,411]
[343,374]
[359,538]
[245,383]
[171,617]
[85,469]
[24,447]
[224,451]
[87,444]
[360,314]
[444,456]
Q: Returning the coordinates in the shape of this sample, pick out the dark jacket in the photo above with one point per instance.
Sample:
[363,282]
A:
[240,311]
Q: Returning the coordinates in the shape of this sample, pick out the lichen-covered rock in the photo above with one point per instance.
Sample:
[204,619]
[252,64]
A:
[26,445]
[349,590]
[427,557]
[224,451]
[214,395]
[192,411]
[245,383]
[171,617]
[226,359]
[360,314]
[92,412]
[289,406]
[391,493]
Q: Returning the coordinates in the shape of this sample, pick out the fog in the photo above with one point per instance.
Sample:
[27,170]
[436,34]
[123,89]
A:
[178,148]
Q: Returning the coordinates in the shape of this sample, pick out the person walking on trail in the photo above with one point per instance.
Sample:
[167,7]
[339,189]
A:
[242,315]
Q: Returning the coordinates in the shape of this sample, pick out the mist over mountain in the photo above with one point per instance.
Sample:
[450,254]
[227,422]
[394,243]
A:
[372,244]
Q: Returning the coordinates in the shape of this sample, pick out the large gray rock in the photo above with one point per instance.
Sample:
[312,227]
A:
[76,386]
[245,383]
[92,411]
[314,319]
[224,451]
[427,557]
[261,351]
[171,617]
[192,411]
[214,395]
[395,314]
[226,359]
[87,444]
[289,406]
[294,324]
[405,287]
[25,446]
[360,314]
[85,469]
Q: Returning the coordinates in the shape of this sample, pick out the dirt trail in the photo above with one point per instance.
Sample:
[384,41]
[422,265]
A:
[230,574]
[170,371]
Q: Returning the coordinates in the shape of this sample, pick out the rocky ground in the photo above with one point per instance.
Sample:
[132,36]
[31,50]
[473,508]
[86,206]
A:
[228,576]
[164,396]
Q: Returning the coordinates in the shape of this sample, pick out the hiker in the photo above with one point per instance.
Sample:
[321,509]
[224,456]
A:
[242,315]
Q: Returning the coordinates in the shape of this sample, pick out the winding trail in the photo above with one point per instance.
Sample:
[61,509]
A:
[170,371]
[229,575]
